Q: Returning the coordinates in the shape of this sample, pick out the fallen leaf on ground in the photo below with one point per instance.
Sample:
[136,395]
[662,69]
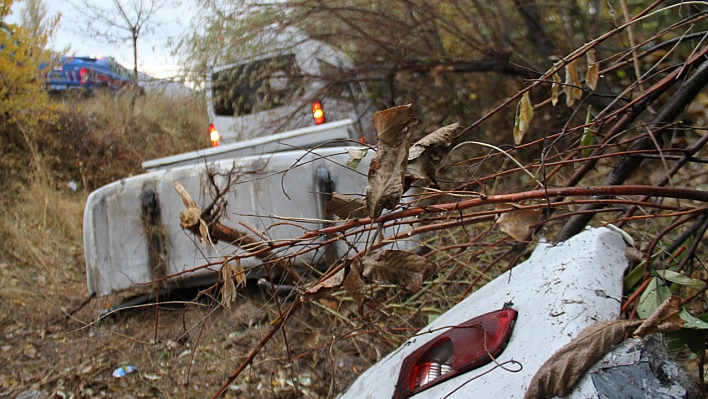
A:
[30,351]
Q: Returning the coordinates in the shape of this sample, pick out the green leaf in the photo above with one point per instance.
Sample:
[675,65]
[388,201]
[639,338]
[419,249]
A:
[634,277]
[586,141]
[654,295]
[696,340]
[355,156]
[676,340]
[679,278]
[588,137]
[692,322]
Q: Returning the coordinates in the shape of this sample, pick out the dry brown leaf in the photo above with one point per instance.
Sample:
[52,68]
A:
[420,172]
[524,115]
[346,207]
[562,371]
[568,85]
[516,223]
[240,274]
[354,284]
[666,318]
[593,72]
[204,232]
[634,255]
[577,89]
[556,89]
[403,268]
[572,85]
[333,281]
[392,123]
[442,137]
[388,167]
[330,303]
[228,290]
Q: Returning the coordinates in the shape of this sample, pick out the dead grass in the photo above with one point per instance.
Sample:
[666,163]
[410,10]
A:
[98,140]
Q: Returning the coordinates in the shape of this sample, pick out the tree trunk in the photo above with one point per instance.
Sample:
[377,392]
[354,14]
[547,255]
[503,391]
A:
[135,71]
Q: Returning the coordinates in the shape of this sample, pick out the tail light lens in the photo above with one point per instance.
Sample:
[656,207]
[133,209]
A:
[318,113]
[464,347]
[214,135]
[85,74]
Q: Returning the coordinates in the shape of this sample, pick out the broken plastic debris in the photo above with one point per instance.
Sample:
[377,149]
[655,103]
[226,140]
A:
[122,371]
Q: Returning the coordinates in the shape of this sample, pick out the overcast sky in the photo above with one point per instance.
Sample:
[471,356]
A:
[153,52]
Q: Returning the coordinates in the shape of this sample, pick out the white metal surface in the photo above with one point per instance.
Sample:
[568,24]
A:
[558,292]
[115,241]
[308,137]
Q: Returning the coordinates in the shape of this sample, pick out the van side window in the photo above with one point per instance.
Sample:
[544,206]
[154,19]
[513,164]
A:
[257,86]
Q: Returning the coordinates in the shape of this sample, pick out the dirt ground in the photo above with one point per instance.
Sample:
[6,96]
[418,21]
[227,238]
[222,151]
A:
[184,348]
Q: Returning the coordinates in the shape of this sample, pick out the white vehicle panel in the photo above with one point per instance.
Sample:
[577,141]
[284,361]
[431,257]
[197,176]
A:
[559,291]
[115,238]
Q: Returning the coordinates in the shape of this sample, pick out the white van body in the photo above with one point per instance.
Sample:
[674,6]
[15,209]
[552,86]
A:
[132,233]
[120,219]
[274,91]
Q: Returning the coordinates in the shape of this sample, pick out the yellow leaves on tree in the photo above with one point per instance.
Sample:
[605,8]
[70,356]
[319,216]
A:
[23,99]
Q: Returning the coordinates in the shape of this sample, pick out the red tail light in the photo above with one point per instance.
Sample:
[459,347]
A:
[318,113]
[85,74]
[214,135]
[462,348]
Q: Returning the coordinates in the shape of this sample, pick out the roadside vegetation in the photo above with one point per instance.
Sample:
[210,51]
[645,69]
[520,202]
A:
[590,114]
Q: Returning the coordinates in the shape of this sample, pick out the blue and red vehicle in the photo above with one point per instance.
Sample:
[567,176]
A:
[88,75]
